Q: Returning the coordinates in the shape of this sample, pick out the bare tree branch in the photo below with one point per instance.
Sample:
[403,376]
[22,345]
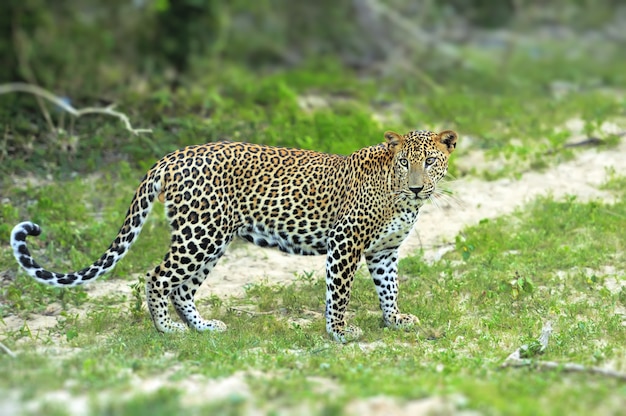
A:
[40,92]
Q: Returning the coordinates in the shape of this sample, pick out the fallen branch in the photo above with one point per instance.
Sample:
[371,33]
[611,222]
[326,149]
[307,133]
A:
[522,358]
[251,313]
[40,92]
[7,350]
[593,141]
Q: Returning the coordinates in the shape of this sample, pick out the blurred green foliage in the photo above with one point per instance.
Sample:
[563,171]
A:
[326,75]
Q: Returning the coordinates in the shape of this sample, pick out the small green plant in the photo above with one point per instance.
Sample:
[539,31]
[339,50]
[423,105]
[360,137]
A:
[466,251]
[521,285]
[614,182]
[137,298]
[67,325]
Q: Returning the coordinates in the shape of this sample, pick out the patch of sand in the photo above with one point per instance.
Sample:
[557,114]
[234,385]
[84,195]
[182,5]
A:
[388,406]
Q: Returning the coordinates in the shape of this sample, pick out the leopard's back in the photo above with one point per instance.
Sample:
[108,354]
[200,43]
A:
[272,197]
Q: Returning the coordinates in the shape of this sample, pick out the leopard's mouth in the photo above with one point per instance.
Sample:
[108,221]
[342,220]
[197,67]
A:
[417,198]
[420,196]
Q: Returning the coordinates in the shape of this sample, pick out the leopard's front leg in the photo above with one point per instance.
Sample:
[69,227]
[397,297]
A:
[383,266]
[341,264]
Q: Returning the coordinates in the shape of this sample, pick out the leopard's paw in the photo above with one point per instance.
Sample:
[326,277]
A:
[214,325]
[348,334]
[402,321]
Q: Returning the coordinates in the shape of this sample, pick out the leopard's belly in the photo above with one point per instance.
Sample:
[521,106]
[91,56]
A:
[313,242]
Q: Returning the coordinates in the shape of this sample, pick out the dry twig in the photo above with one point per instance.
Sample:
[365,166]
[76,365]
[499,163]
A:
[593,141]
[40,92]
[7,350]
[249,312]
[521,358]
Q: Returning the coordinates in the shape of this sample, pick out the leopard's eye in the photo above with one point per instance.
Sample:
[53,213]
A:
[430,161]
[404,162]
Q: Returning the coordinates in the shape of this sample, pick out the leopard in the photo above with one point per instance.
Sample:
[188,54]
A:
[303,202]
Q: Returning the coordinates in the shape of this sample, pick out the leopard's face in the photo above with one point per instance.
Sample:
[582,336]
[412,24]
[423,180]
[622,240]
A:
[420,161]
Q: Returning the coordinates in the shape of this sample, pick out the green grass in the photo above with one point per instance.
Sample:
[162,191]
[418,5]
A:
[504,279]
[474,312]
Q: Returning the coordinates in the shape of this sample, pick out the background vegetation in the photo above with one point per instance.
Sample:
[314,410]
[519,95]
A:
[329,76]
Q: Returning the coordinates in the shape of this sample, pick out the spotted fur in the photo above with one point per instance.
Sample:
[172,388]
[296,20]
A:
[299,201]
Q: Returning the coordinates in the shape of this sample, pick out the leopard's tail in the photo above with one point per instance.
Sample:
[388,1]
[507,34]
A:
[140,207]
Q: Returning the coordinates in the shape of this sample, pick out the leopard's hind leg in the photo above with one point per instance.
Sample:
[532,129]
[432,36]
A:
[157,293]
[165,280]
[183,296]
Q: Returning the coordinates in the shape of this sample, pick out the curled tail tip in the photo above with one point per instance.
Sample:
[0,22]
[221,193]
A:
[23,229]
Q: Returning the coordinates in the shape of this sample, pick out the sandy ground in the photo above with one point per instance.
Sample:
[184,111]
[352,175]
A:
[434,233]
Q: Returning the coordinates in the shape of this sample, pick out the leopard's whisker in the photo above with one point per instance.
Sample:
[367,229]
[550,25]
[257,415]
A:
[448,199]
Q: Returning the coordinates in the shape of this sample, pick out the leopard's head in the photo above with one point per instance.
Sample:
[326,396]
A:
[420,160]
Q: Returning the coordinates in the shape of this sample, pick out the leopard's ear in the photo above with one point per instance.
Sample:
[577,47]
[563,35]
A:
[447,140]
[394,140]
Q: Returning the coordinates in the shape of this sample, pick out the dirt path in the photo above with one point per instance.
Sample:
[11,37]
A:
[435,230]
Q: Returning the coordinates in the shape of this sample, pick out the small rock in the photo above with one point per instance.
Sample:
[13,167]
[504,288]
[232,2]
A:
[53,309]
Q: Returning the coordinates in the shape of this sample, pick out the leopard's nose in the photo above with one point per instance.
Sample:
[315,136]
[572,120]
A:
[417,190]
